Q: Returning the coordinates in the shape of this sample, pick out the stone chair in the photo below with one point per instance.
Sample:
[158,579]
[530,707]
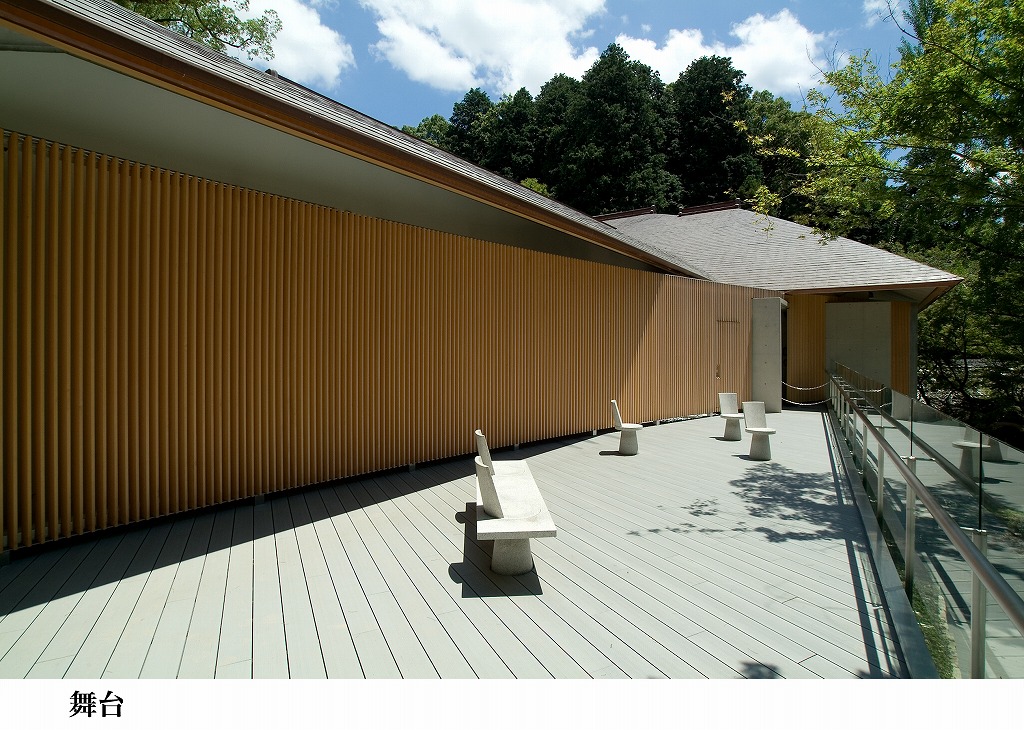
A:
[628,444]
[731,413]
[757,426]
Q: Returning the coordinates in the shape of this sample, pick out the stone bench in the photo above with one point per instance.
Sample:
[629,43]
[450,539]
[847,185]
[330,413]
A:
[974,445]
[510,510]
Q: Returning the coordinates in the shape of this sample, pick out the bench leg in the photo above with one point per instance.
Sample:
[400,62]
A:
[512,557]
[628,442]
[760,447]
[969,462]
[732,430]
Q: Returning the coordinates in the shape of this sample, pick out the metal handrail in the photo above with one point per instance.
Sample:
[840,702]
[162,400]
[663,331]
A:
[1007,598]
[917,440]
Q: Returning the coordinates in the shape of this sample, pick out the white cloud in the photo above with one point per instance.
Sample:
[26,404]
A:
[777,53]
[305,50]
[876,10]
[501,45]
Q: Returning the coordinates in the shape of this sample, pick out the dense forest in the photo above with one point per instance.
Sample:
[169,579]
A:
[620,138]
[924,158]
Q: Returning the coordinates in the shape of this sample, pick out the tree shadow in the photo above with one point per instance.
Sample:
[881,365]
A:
[809,502]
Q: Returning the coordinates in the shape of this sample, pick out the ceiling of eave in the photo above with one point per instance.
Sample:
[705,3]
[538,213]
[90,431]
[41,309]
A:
[60,97]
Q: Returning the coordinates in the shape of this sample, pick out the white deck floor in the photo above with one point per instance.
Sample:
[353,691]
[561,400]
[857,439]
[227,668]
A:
[687,560]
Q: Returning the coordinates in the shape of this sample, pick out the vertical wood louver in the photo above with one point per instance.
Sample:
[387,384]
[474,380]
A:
[171,343]
[805,347]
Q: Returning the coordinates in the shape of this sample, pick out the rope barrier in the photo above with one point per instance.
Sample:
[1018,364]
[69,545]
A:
[796,387]
[815,403]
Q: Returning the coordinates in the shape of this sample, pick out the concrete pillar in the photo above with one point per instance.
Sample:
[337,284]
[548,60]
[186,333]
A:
[766,353]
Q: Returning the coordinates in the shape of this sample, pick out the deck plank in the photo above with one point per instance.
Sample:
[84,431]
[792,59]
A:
[410,583]
[28,648]
[132,647]
[169,638]
[32,595]
[199,655]
[339,652]
[95,652]
[305,657]
[70,638]
[269,647]
[408,653]
[234,648]
[375,658]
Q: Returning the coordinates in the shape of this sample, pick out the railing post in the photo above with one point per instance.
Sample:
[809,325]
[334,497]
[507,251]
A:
[864,449]
[880,491]
[979,604]
[910,529]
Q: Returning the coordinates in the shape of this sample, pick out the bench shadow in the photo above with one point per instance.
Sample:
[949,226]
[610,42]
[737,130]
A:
[474,573]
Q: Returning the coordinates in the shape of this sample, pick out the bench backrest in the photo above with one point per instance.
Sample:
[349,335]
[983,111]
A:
[753,414]
[727,403]
[616,417]
[482,450]
[488,494]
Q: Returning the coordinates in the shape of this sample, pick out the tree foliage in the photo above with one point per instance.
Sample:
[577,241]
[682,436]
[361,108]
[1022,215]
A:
[710,153]
[214,23]
[433,129]
[614,156]
[931,155]
[619,138]
[465,126]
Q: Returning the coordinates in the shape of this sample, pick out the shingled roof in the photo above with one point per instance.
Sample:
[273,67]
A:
[737,246]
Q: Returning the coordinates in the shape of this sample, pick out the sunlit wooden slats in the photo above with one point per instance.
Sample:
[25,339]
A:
[805,346]
[902,316]
[172,343]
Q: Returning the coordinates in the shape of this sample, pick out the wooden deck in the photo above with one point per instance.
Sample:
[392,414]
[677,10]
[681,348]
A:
[686,561]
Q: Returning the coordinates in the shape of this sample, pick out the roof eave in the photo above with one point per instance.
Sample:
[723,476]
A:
[80,36]
[937,289]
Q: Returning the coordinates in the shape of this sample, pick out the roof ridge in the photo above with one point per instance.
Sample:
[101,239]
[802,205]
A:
[710,207]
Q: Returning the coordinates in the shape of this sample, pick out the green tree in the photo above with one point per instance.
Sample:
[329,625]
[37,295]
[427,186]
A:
[710,152]
[934,154]
[778,138]
[214,23]
[551,110]
[509,136]
[614,139]
[465,128]
[432,129]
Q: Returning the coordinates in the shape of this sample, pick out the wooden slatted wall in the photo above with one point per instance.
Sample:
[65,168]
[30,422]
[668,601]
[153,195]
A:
[899,375]
[171,343]
[805,347]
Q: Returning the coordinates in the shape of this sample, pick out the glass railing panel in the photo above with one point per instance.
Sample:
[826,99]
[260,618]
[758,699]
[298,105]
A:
[978,481]
[948,456]
[1004,645]
[1003,487]
[941,597]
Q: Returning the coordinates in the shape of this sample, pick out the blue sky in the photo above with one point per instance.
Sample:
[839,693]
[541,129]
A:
[402,60]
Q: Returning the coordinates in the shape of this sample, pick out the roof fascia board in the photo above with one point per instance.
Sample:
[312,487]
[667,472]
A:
[941,286]
[101,45]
